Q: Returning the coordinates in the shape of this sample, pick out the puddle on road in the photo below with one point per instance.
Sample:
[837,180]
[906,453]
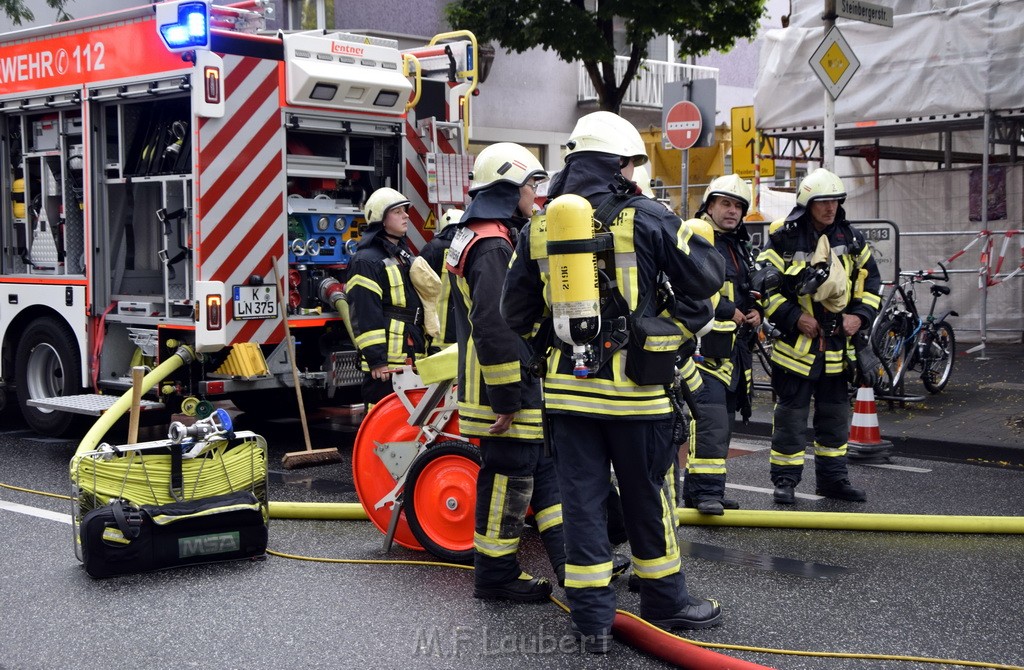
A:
[310,481]
[789,566]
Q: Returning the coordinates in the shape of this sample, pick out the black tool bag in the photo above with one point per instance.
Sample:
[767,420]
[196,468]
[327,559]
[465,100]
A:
[651,353]
[120,539]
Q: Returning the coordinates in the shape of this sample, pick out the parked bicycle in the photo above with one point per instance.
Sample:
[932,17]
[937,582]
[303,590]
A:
[904,341]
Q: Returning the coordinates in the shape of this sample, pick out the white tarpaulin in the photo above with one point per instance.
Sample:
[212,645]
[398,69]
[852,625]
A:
[966,58]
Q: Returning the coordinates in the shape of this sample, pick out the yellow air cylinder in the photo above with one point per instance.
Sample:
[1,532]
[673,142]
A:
[572,258]
[18,198]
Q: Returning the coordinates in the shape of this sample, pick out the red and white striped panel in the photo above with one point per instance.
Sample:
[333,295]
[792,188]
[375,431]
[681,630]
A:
[241,189]
[414,151]
[415,187]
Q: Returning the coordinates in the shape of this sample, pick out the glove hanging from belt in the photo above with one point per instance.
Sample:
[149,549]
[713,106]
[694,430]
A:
[869,368]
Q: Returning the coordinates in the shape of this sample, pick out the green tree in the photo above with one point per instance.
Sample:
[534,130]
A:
[18,12]
[582,30]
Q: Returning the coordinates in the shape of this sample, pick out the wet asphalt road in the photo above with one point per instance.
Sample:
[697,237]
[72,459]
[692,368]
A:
[945,596]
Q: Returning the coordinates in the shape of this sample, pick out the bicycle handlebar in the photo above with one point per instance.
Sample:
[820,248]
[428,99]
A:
[927,275]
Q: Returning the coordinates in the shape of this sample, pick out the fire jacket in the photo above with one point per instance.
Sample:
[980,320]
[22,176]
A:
[790,246]
[719,346]
[387,316]
[493,377]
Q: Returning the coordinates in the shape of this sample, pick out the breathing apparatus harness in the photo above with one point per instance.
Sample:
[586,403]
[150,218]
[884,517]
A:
[615,313]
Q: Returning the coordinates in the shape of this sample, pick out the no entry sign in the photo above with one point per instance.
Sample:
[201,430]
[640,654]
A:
[683,124]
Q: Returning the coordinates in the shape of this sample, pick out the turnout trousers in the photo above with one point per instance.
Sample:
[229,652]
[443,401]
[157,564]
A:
[514,476]
[831,426]
[585,447]
[710,432]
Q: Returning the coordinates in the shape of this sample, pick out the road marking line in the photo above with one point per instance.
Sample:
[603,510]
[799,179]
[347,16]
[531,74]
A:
[749,445]
[890,466]
[35,511]
[760,489]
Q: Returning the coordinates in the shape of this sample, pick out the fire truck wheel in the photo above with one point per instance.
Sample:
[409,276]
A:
[48,365]
[440,499]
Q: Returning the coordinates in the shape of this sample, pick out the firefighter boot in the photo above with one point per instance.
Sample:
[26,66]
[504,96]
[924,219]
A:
[593,643]
[842,490]
[526,589]
[698,614]
[709,506]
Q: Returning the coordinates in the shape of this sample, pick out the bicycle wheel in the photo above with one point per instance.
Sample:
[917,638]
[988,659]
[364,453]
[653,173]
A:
[761,357]
[889,340]
[938,361]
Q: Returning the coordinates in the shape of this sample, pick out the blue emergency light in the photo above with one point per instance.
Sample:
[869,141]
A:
[184,25]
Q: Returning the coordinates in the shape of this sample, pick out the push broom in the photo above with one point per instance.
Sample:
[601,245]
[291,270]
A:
[311,456]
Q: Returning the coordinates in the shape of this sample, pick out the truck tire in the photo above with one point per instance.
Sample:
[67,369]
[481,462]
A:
[48,365]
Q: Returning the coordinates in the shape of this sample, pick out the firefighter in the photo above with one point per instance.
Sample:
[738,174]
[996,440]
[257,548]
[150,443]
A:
[606,419]
[386,312]
[813,356]
[434,252]
[725,358]
[499,400]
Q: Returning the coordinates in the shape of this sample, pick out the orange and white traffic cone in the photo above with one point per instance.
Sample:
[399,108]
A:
[866,441]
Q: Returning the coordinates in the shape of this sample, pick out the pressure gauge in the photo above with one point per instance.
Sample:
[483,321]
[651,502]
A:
[340,225]
[323,223]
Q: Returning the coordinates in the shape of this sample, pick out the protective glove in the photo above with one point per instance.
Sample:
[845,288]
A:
[766,278]
[869,368]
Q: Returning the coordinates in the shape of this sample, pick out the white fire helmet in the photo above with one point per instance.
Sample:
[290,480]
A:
[643,179]
[504,162]
[449,218]
[731,186]
[381,202]
[820,185]
[607,133]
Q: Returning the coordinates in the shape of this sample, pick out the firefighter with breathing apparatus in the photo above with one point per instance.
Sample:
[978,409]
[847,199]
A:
[499,399]
[386,311]
[830,292]
[597,414]
[725,357]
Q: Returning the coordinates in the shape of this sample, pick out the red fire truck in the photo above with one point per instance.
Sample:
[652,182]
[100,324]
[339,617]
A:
[173,176]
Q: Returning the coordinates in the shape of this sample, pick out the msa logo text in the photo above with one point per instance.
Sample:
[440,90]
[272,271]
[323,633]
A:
[202,545]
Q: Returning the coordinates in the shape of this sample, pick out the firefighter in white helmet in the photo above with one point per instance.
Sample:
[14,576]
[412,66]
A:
[724,359]
[386,311]
[812,357]
[608,419]
[642,178]
[433,252]
[499,400]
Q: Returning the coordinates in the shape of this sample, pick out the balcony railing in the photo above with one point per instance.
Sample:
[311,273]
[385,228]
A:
[648,85]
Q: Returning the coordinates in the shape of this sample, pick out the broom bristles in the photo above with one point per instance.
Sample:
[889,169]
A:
[302,459]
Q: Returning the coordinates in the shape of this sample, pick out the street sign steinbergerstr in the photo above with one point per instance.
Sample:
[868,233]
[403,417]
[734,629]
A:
[745,141]
[834,62]
[864,11]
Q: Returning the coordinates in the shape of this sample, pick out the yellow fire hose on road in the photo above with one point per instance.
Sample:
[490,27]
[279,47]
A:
[902,523]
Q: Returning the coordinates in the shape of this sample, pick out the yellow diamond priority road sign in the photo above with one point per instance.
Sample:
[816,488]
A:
[834,62]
